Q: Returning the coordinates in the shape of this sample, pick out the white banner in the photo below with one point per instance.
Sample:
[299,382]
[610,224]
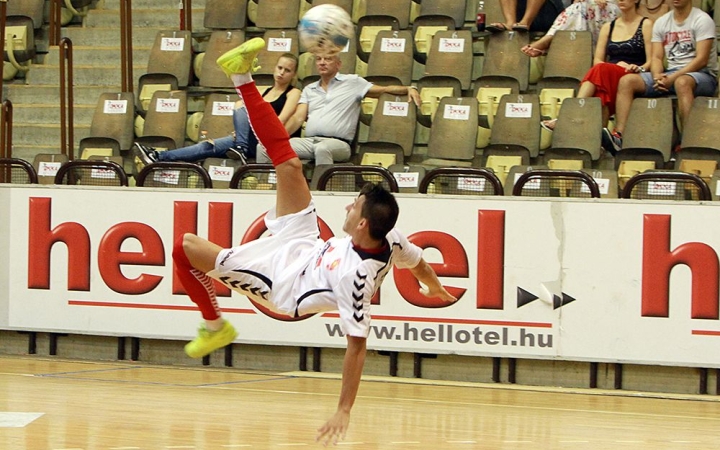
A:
[588,280]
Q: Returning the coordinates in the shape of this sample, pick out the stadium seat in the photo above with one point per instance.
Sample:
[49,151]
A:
[567,60]
[278,14]
[516,130]
[17,171]
[392,56]
[113,118]
[166,116]
[148,84]
[432,90]
[347,5]
[556,183]
[408,177]
[461,181]
[503,58]
[171,53]
[394,121]
[451,54]
[91,173]
[424,29]
[398,9]
[666,185]
[47,165]
[514,174]
[174,175]
[349,178]
[489,91]
[221,171]
[453,133]
[220,42]
[254,177]
[367,30]
[225,15]
[277,42]
[643,150]
[32,9]
[217,119]
[551,100]
[700,146]
[382,154]
[98,146]
[573,137]
[607,181]
[455,9]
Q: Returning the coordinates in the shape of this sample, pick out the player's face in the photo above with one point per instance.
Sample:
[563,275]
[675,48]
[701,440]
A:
[285,70]
[354,215]
[327,65]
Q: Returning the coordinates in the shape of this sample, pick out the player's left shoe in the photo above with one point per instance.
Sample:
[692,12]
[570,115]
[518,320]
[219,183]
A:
[208,341]
[242,59]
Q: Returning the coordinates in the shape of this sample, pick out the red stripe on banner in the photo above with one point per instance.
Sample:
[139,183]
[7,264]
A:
[150,306]
[706,332]
[462,321]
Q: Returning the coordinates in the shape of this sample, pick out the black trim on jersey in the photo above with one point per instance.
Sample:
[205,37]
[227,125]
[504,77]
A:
[306,295]
[262,277]
[383,256]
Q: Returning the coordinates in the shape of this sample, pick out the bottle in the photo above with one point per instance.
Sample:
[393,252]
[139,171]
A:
[480,20]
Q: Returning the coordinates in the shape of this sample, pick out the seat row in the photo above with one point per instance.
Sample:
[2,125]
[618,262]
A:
[525,181]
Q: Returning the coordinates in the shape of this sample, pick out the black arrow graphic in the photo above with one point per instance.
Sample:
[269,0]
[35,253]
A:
[524,297]
[560,302]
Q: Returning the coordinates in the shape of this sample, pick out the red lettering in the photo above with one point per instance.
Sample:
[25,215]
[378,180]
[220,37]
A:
[491,259]
[658,261]
[111,257]
[42,238]
[455,265]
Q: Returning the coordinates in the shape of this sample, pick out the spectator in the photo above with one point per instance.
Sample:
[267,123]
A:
[527,15]
[623,48]
[331,107]
[282,96]
[583,15]
[685,37]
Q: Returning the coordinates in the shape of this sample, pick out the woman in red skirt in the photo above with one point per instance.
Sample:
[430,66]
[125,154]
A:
[623,47]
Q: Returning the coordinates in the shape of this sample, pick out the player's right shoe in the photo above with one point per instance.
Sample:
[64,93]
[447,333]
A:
[208,341]
[242,59]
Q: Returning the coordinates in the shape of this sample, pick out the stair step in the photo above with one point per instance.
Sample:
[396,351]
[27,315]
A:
[47,134]
[49,113]
[23,94]
[83,75]
[96,55]
[157,18]
[153,4]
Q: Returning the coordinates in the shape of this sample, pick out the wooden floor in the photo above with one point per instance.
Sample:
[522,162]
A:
[127,406]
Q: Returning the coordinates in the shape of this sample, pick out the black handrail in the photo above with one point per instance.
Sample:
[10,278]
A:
[67,101]
[678,177]
[550,173]
[103,165]
[6,125]
[358,170]
[177,165]
[460,172]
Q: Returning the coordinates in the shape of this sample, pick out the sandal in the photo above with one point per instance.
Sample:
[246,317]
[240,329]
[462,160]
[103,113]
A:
[532,51]
[548,125]
[496,27]
[520,27]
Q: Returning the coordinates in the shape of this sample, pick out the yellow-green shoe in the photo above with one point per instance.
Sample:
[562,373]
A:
[241,59]
[207,341]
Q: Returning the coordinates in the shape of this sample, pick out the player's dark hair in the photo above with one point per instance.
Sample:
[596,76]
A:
[380,210]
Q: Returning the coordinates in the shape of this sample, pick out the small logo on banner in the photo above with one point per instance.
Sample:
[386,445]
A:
[457,112]
[223,108]
[48,169]
[172,44]
[451,45]
[603,186]
[518,110]
[471,184]
[168,105]
[105,174]
[407,179]
[167,177]
[661,188]
[392,45]
[279,44]
[115,107]
[221,173]
[398,109]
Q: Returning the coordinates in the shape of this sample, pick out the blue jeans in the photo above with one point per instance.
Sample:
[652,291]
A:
[244,138]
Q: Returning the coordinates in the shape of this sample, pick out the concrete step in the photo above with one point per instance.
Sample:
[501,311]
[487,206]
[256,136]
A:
[49,113]
[47,135]
[23,94]
[151,4]
[155,18]
[99,56]
[110,36]
[83,75]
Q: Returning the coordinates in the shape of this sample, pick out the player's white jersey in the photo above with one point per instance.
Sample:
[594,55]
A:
[343,277]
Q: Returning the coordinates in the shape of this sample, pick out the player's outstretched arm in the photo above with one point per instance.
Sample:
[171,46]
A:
[336,427]
[427,276]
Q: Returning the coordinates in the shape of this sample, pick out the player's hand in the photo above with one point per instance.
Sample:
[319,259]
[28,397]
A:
[334,429]
[440,293]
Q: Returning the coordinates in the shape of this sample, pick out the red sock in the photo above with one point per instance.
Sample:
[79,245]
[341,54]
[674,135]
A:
[270,132]
[198,285]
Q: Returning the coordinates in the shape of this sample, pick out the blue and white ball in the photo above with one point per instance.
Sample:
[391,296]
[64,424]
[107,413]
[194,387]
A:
[325,29]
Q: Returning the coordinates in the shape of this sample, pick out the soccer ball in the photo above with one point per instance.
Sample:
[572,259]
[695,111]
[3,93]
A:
[325,29]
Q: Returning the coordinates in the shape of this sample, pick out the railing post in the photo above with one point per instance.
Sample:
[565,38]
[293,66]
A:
[67,112]
[55,21]
[126,45]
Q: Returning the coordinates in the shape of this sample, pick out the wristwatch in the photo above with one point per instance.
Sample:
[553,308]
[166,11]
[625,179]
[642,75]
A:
[642,69]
